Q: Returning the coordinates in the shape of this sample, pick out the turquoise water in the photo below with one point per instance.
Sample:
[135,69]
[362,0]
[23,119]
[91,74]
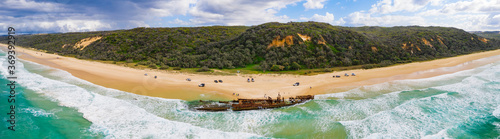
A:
[53,104]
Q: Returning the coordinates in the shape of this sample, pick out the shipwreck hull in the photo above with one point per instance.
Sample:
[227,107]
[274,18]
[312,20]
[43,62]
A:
[256,104]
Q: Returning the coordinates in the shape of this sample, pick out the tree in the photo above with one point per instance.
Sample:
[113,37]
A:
[277,68]
[295,66]
[203,69]
[163,67]
[153,66]
[264,66]
[230,47]
[287,65]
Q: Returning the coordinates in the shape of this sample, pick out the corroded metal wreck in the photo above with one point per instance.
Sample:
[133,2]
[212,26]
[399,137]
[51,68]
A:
[253,104]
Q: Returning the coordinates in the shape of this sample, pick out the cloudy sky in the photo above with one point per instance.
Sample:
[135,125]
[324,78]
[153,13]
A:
[42,16]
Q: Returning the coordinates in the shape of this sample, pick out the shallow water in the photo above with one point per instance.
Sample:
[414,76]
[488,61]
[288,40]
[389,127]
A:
[54,104]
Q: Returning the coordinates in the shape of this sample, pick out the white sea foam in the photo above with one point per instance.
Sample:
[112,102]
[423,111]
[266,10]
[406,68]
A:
[496,112]
[246,121]
[408,120]
[388,114]
[176,110]
[440,135]
[429,116]
[402,85]
[39,112]
[116,118]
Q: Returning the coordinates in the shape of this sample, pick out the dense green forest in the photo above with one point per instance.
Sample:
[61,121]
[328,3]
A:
[271,46]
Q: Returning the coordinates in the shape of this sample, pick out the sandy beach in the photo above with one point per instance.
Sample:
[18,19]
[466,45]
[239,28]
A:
[174,85]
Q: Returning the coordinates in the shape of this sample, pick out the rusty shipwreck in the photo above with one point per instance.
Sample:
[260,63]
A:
[253,104]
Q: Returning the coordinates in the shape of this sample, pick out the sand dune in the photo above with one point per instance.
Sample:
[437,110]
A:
[174,85]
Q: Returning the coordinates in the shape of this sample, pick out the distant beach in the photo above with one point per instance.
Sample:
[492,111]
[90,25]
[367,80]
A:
[174,85]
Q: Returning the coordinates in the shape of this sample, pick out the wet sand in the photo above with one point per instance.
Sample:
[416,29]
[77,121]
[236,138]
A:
[174,85]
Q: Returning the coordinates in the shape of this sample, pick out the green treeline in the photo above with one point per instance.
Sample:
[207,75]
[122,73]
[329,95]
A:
[238,46]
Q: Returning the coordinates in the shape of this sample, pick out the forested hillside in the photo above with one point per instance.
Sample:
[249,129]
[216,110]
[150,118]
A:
[488,34]
[273,46]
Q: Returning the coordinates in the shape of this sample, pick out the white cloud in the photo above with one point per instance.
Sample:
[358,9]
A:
[391,6]
[467,15]
[71,15]
[179,22]
[366,19]
[64,16]
[78,25]
[68,25]
[327,18]
[341,21]
[475,6]
[314,4]
[238,12]
[32,6]
[170,8]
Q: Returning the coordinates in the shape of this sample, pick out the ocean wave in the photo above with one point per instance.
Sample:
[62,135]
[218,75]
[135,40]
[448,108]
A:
[443,134]
[436,107]
[463,104]
[39,112]
[369,91]
[496,112]
[177,110]
[116,117]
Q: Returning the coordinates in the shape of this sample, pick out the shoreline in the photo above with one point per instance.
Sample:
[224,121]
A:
[174,86]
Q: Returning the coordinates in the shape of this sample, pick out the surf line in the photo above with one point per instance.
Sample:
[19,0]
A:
[11,76]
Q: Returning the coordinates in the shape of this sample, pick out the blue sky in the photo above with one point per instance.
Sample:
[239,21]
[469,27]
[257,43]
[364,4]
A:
[42,16]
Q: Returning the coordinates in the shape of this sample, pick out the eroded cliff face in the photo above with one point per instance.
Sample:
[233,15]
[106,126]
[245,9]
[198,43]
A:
[278,42]
[483,40]
[288,40]
[426,42]
[410,46]
[304,37]
[83,43]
